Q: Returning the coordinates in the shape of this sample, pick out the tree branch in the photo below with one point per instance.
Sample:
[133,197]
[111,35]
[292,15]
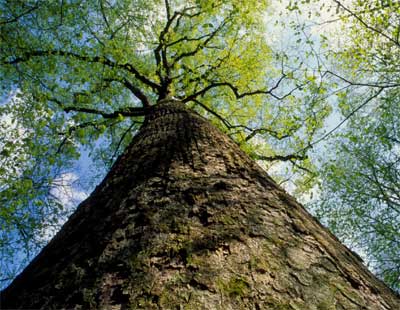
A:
[128,111]
[269,131]
[279,157]
[167,9]
[228,125]
[365,24]
[185,38]
[91,59]
[210,68]
[103,14]
[344,120]
[160,52]
[239,95]
[223,120]
[120,141]
[371,84]
[71,129]
[135,90]
[200,45]
[16,18]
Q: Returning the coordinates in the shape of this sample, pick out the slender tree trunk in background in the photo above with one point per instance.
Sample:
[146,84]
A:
[185,220]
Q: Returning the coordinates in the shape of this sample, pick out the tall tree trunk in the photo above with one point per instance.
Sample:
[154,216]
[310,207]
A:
[185,220]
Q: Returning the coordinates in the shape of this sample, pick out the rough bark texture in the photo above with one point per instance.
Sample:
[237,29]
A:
[185,220]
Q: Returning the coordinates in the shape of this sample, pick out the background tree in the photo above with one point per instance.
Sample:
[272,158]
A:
[357,54]
[85,72]
[362,207]
[367,204]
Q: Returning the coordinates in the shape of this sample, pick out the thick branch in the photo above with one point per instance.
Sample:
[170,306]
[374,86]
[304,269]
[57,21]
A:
[167,9]
[130,111]
[160,52]
[269,131]
[223,120]
[228,125]
[280,157]
[135,90]
[184,13]
[91,59]
[187,39]
[239,95]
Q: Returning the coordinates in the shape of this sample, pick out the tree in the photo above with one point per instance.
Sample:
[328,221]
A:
[104,68]
[354,47]
[80,73]
[186,219]
[367,219]
[359,197]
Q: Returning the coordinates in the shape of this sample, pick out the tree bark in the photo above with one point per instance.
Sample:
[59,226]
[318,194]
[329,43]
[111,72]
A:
[186,220]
